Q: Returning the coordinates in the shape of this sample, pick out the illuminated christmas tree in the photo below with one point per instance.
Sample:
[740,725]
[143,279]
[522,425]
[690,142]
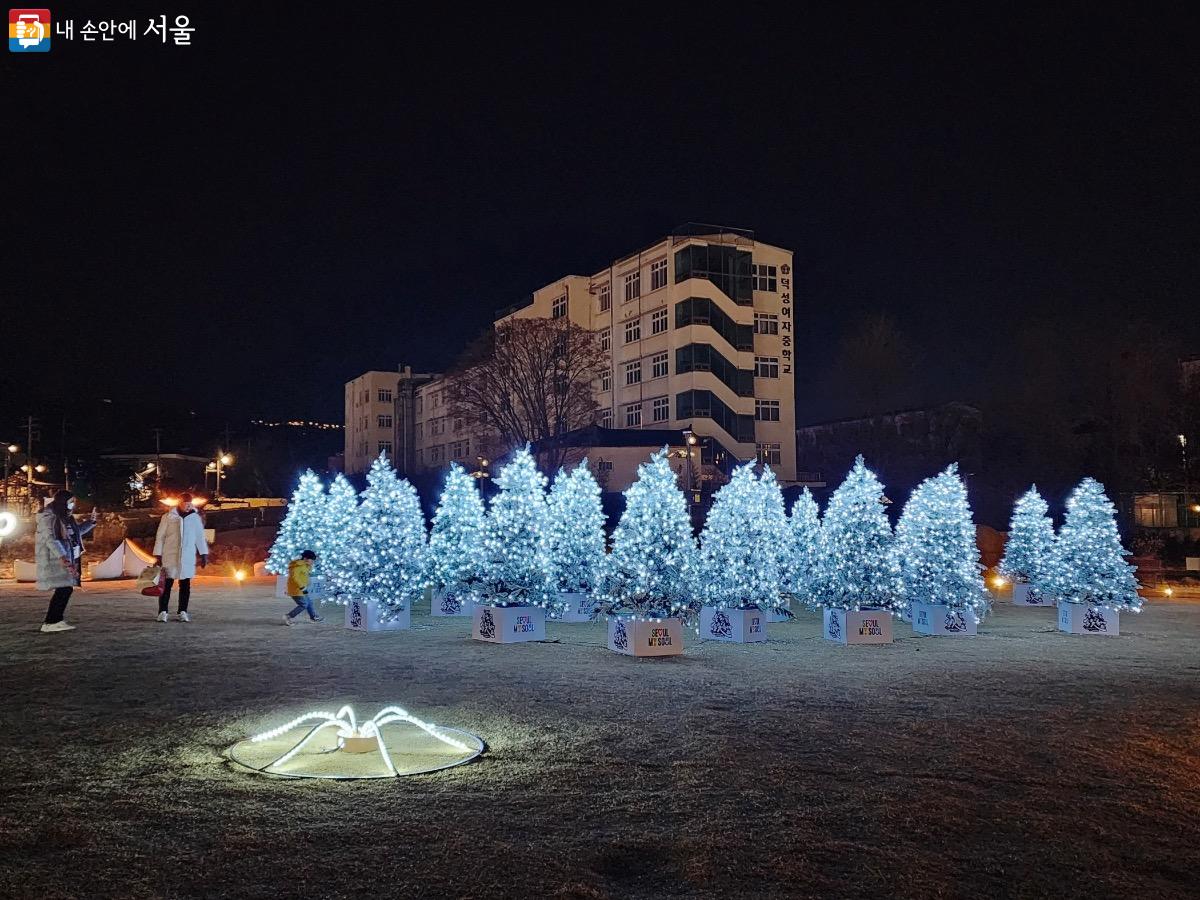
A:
[935,543]
[653,568]
[803,545]
[302,527]
[575,531]
[857,567]
[336,560]
[772,533]
[1088,562]
[389,541]
[455,561]
[516,567]
[739,558]
[1028,553]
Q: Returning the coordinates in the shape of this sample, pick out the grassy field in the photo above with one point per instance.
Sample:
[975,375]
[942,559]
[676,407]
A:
[1023,762]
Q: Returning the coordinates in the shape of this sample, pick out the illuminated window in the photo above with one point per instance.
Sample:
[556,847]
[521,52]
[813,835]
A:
[769,454]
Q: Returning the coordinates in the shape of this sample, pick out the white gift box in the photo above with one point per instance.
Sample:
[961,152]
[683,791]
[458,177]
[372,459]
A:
[858,626]
[443,603]
[1083,618]
[642,637]
[577,606]
[739,626]
[939,619]
[1025,595]
[364,615]
[281,587]
[508,624]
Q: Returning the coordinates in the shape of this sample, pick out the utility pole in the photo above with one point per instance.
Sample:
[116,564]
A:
[31,429]
[158,472]
[66,466]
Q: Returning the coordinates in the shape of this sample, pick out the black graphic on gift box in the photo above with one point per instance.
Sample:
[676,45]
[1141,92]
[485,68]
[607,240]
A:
[451,605]
[620,638]
[355,615]
[955,621]
[487,625]
[835,626]
[720,625]
[1093,620]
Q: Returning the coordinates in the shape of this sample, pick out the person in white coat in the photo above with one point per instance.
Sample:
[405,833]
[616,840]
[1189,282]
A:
[179,541]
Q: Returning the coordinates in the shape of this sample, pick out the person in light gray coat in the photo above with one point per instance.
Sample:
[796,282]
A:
[59,545]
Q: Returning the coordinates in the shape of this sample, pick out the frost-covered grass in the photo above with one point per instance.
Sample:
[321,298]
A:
[1021,763]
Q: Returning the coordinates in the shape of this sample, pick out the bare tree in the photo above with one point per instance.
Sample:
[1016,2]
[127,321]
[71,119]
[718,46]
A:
[527,380]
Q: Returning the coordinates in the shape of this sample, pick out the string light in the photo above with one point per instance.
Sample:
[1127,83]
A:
[1088,562]
[935,543]
[575,533]
[856,563]
[1027,554]
[653,570]
[455,561]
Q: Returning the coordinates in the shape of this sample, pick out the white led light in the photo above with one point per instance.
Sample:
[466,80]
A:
[8,524]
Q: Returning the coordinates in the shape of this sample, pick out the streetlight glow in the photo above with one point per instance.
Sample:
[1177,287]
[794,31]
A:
[13,448]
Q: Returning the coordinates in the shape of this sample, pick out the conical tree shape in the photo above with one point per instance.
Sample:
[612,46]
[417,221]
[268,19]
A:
[739,559]
[1088,560]
[857,566]
[389,539]
[516,568]
[803,545]
[302,526]
[653,566]
[337,560]
[575,531]
[1027,554]
[935,543]
[456,541]
[771,533]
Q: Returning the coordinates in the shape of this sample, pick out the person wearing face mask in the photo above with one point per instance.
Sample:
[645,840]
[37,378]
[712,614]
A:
[59,556]
[179,541]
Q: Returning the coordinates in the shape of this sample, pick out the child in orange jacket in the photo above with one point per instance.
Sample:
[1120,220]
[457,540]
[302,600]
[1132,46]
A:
[297,587]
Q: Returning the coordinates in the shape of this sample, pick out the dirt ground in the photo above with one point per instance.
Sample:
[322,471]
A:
[1023,763]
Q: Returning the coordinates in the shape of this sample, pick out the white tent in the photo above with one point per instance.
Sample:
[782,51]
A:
[127,561]
[24,571]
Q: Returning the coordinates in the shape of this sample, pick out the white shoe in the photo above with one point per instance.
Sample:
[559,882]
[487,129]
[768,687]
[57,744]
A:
[57,626]
[162,617]
[287,620]
[184,617]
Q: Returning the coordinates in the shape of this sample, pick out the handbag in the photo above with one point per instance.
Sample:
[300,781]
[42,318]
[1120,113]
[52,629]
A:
[150,581]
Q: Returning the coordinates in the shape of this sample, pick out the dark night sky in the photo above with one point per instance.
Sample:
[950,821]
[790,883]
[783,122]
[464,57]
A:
[242,225]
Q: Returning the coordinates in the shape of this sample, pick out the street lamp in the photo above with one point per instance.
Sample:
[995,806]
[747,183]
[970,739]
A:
[8,452]
[222,460]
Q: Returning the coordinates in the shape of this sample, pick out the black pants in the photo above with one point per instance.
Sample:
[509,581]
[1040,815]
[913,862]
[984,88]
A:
[58,605]
[185,594]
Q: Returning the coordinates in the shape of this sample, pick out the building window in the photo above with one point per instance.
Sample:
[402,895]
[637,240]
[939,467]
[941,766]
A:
[385,421]
[766,410]
[385,396]
[764,278]
[606,340]
[658,366]
[633,372]
[420,404]
[419,429]
[605,297]
[658,321]
[633,286]
[660,409]
[658,275]
[558,308]
[766,367]
[633,415]
[458,424]
[385,447]
[766,323]
[633,330]
[768,454]
[604,465]
[605,382]
[606,418]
